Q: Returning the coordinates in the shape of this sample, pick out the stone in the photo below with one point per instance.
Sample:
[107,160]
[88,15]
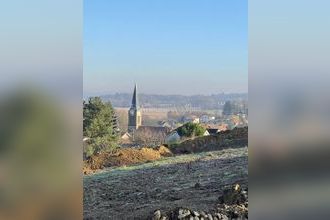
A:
[224,217]
[237,187]
[183,213]
[203,214]
[157,215]
[195,213]
[209,216]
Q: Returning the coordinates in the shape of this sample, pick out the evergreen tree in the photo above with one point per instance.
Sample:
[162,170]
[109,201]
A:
[100,124]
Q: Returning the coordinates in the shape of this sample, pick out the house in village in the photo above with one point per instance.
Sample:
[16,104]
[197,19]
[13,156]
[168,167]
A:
[190,118]
[172,124]
[126,137]
[206,119]
[213,131]
[223,127]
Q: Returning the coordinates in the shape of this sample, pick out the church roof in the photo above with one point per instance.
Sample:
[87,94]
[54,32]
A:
[213,130]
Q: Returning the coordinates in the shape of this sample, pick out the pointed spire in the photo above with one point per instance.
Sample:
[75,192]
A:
[135,103]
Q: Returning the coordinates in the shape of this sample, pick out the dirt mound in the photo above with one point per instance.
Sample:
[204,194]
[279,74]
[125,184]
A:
[235,138]
[164,151]
[124,157]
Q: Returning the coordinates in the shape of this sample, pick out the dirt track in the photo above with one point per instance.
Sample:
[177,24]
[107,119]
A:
[194,181]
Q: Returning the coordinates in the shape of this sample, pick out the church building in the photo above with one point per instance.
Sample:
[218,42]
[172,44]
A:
[139,132]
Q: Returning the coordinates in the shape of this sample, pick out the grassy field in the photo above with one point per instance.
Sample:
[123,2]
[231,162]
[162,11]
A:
[150,118]
[194,181]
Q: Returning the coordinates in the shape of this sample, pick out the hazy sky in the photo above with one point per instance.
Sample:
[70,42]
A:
[166,46]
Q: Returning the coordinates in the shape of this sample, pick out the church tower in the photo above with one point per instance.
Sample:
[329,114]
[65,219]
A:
[134,113]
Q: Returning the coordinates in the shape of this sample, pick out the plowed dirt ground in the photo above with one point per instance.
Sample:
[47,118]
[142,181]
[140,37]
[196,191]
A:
[194,181]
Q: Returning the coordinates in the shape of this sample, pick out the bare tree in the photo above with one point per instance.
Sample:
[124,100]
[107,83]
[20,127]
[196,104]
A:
[150,137]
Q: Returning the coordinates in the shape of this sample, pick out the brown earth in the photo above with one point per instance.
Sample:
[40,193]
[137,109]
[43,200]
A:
[124,157]
[195,181]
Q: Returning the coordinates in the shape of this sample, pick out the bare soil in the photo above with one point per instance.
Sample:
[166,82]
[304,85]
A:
[124,157]
[194,181]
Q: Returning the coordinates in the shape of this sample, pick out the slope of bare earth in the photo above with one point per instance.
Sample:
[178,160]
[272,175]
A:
[194,181]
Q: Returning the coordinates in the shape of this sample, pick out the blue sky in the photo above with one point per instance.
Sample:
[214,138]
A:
[166,46]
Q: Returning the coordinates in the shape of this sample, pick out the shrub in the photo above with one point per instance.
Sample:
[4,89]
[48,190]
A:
[191,130]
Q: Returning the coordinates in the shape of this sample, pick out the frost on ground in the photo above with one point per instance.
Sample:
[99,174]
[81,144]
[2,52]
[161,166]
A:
[194,181]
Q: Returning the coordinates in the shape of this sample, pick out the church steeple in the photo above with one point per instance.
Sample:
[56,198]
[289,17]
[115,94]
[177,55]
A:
[135,102]
[134,113]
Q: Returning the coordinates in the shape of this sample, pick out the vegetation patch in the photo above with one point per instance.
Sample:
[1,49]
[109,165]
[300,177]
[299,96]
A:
[191,130]
[235,138]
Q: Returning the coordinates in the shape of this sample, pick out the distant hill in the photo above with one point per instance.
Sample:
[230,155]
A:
[167,101]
